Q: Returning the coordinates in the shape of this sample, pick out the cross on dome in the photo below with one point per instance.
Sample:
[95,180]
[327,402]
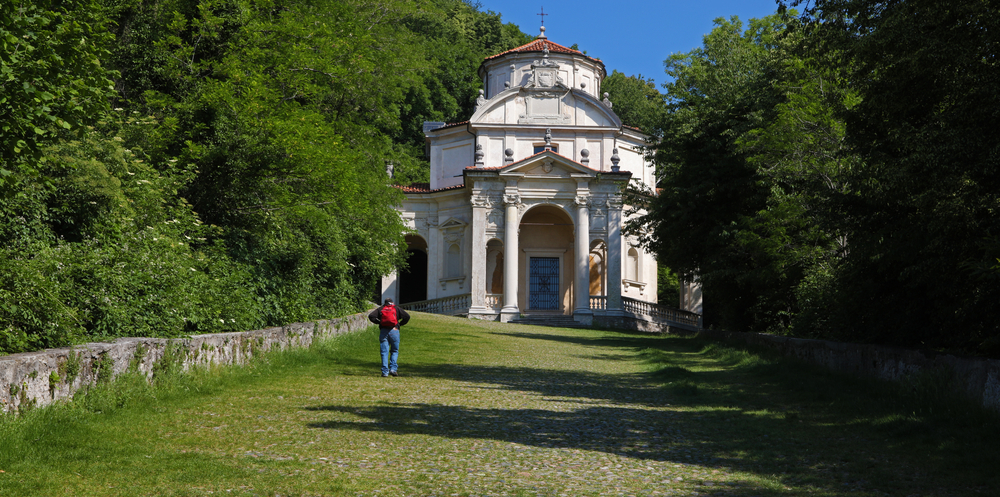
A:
[543,14]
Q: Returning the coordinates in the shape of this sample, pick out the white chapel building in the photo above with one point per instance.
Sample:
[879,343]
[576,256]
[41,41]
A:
[523,213]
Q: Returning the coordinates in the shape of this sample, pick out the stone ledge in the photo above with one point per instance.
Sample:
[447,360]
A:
[978,379]
[43,377]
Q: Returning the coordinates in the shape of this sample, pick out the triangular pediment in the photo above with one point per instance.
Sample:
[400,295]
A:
[452,223]
[547,164]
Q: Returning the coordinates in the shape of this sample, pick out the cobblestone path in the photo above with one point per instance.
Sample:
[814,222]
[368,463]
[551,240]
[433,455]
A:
[543,412]
[489,409]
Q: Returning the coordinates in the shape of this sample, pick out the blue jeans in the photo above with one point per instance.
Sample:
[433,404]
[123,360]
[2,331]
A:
[389,344]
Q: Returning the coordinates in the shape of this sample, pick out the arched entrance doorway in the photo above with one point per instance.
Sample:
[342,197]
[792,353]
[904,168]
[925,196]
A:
[546,240]
[413,279]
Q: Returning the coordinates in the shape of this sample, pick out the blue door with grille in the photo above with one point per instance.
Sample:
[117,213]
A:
[543,279]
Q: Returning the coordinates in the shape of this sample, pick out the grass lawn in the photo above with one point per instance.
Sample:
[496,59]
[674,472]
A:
[491,409]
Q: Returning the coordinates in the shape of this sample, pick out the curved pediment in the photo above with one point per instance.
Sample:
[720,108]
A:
[547,106]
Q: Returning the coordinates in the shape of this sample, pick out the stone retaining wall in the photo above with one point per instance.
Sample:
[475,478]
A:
[41,378]
[977,378]
[647,324]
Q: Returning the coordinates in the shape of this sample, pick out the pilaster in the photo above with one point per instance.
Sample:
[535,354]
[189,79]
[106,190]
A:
[433,255]
[581,246]
[614,254]
[480,207]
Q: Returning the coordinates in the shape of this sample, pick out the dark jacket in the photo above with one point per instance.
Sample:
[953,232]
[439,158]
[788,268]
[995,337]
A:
[402,317]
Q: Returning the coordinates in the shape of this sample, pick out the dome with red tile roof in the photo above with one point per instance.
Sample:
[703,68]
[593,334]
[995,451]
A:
[510,69]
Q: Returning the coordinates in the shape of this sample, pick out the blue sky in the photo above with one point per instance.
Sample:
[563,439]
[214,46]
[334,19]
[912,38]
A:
[632,36]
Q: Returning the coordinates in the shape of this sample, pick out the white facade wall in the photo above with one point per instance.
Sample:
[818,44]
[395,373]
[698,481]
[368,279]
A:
[575,71]
[471,202]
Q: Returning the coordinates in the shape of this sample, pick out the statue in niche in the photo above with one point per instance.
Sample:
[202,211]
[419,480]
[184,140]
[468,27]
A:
[497,279]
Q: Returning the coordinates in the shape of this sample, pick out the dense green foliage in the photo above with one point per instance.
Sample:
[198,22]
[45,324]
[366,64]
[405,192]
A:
[835,174]
[922,223]
[184,166]
[636,101]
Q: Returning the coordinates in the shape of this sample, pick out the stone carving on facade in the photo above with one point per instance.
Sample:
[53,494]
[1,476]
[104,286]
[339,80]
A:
[512,198]
[480,100]
[545,73]
[494,220]
[420,224]
[409,221]
[581,200]
[597,216]
[452,230]
[487,199]
[606,187]
[544,94]
[481,200]
[479,155]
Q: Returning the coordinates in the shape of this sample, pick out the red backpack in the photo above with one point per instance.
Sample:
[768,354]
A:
[388,316]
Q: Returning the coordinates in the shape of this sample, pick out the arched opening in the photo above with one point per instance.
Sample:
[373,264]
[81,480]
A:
[632,265]
[413,279]
[454,261]
[546,240]
[598,268]
[494,267]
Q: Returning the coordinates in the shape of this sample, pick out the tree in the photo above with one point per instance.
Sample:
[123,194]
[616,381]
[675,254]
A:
[710,192]
[289,115]
[922,222]
[51,78]
[636,101]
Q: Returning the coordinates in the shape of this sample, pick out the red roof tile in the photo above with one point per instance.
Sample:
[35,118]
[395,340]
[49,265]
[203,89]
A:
[425,188]
[451,125]
[540,44]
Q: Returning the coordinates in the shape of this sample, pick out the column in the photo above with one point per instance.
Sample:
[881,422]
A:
[581,247]
[615,255]
[510,256]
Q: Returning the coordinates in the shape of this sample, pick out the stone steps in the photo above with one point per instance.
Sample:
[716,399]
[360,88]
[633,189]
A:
[551,320]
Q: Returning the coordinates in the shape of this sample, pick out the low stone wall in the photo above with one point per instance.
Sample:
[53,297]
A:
[977,378]
[41,378]
[646,324]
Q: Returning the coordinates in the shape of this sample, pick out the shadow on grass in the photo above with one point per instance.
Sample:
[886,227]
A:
[618,339]
[808,429]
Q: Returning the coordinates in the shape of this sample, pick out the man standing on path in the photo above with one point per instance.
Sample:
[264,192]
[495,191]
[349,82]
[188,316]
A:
[389,318]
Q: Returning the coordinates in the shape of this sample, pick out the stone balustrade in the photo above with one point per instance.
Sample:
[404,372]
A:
[456,304]
[662,313]
[494,301]
[598,303]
